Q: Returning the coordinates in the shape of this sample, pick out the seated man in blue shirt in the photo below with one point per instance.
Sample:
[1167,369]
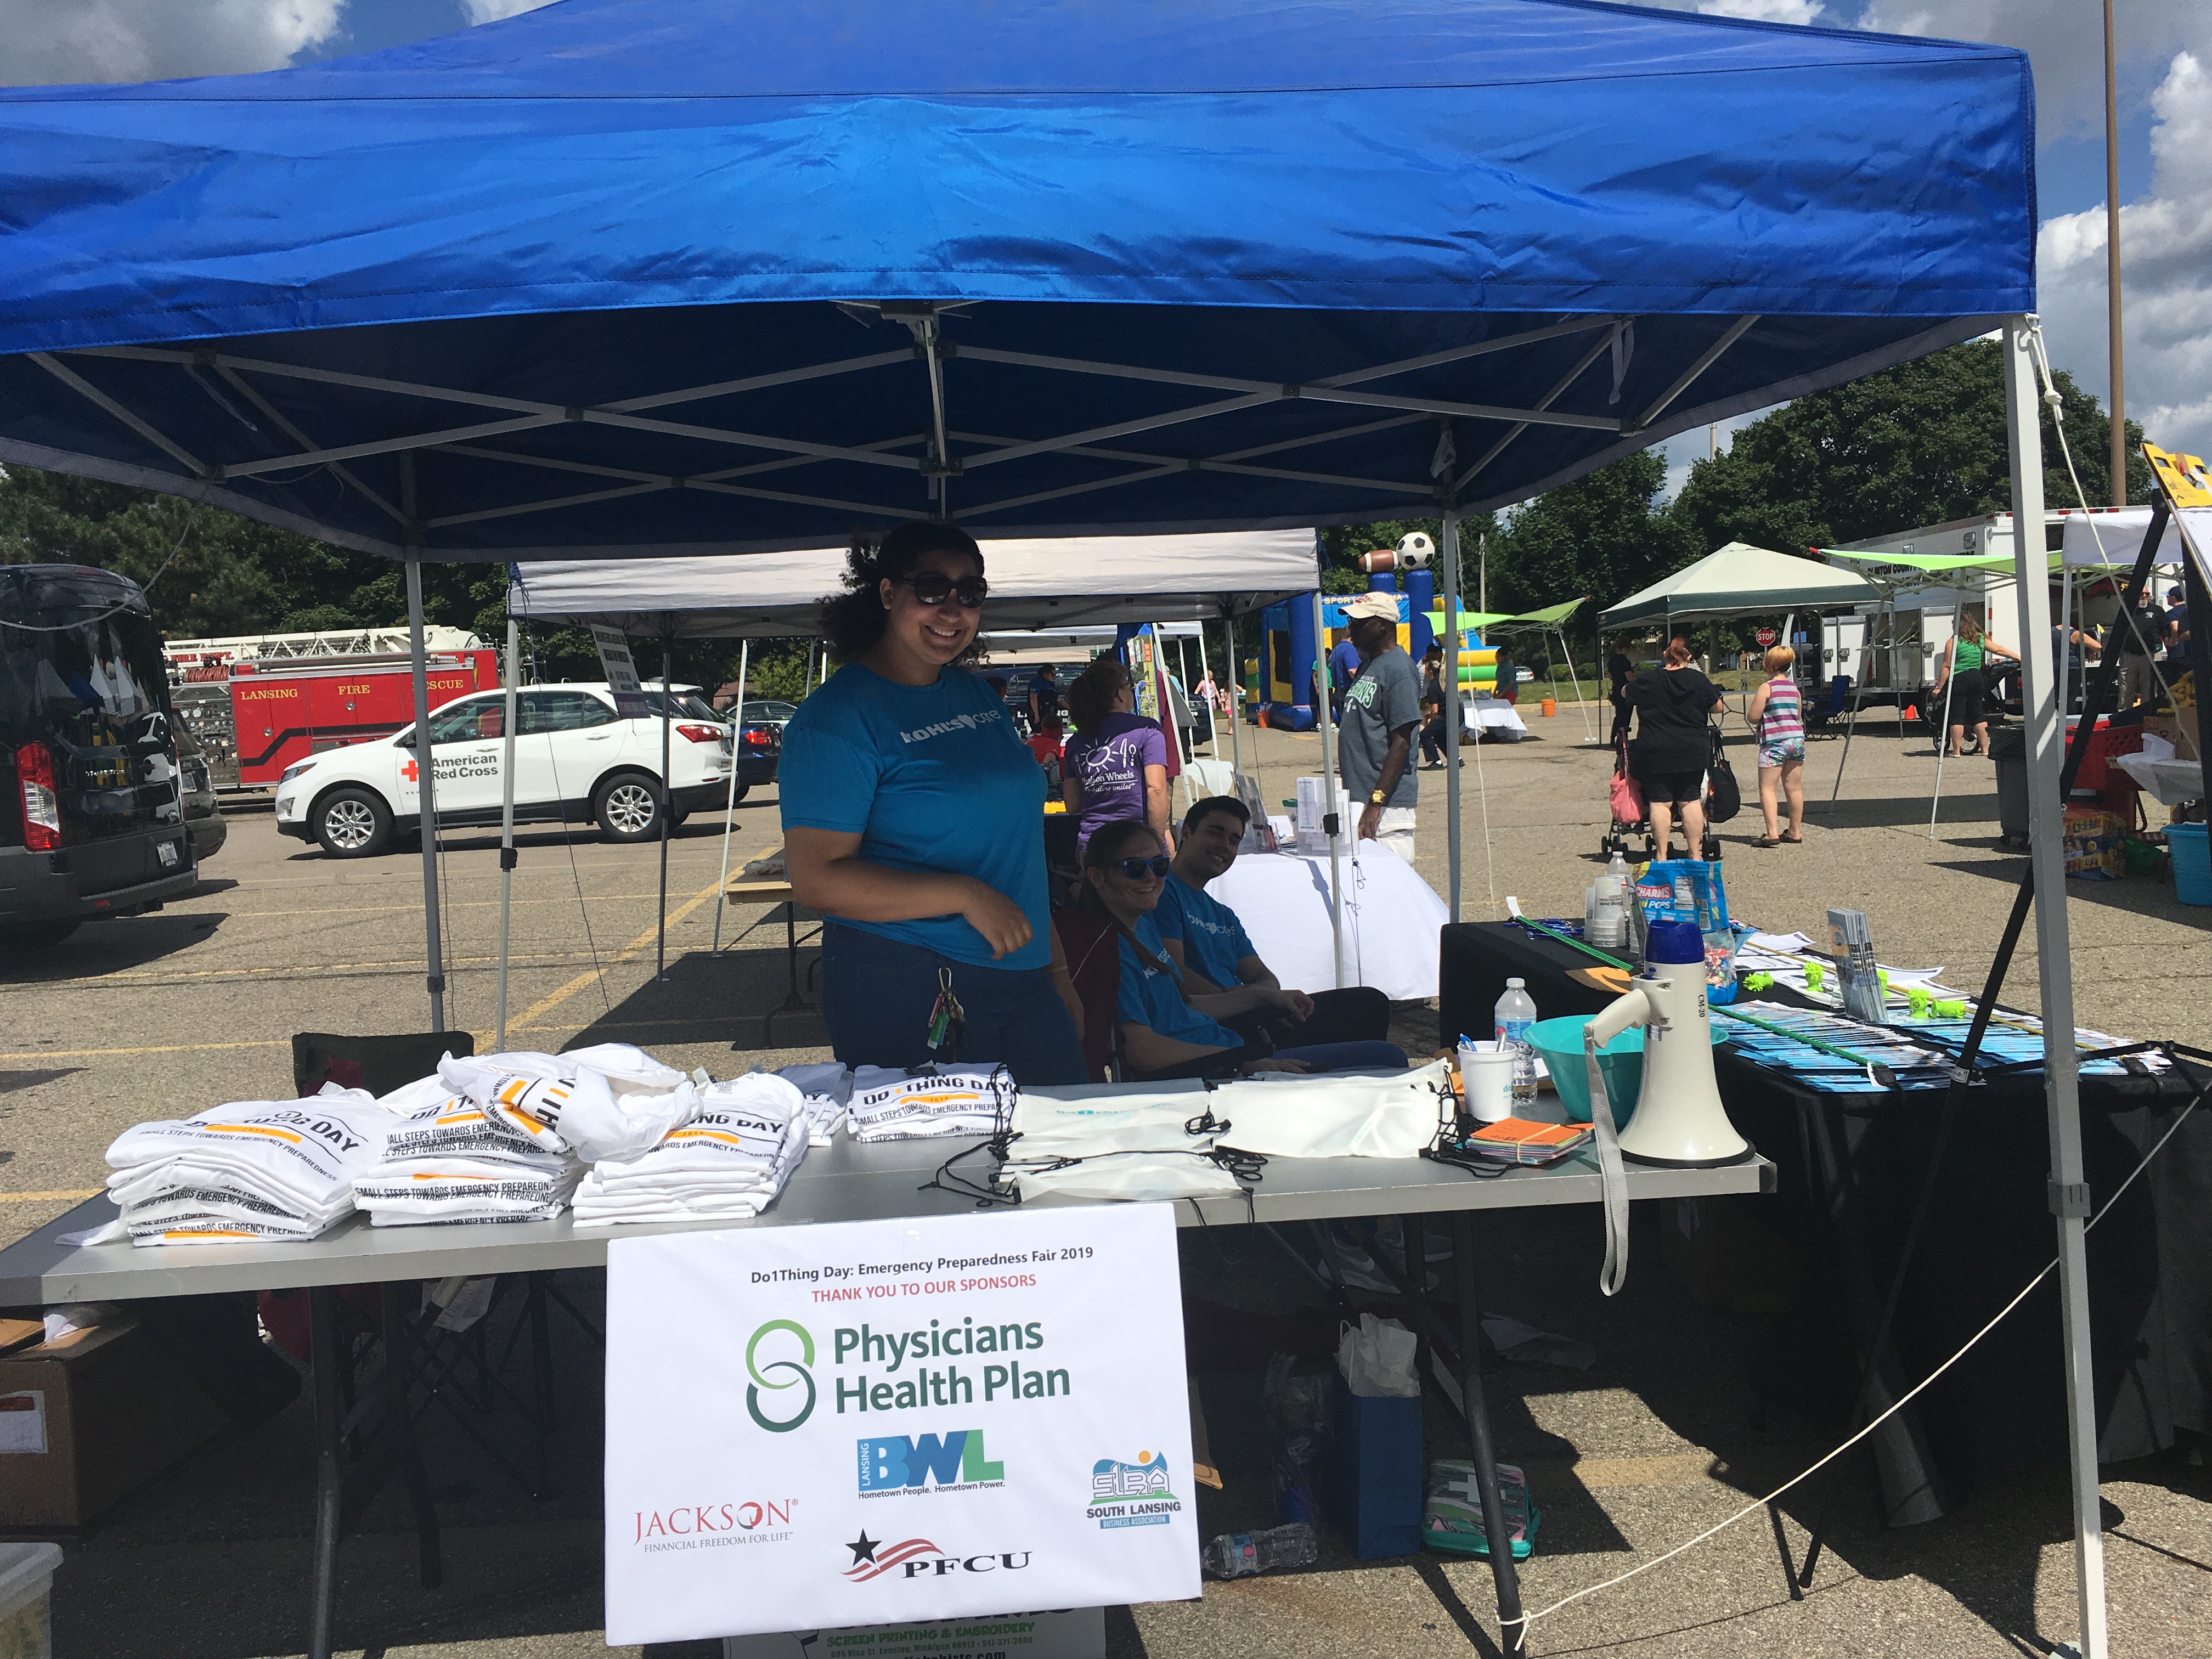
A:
[1222,975]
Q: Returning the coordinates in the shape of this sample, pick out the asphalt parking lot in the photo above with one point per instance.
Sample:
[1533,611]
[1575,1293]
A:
[1663,1436]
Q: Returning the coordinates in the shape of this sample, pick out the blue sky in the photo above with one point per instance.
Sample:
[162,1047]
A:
[2165,136]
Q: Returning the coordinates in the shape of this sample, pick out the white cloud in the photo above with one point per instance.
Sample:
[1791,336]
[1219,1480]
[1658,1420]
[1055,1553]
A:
[2166,274]
[2065,44]
[43,42]
[1766,11]
[490,11]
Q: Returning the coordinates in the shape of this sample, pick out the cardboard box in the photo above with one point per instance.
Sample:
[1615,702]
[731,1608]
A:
[2181,733]
[87,1419]
[1728,1258]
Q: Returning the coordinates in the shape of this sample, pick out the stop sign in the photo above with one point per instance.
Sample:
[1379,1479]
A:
[1766,636]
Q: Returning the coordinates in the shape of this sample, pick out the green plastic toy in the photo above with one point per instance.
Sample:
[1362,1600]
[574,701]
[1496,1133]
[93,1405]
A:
[1814,975]
[1951,1008]
[1759,981]
[1919,999]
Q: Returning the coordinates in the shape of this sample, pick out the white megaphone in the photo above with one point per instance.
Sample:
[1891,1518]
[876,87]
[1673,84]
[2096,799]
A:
[1680,1123]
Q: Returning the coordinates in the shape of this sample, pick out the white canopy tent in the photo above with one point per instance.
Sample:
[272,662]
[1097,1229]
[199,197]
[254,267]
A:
[1739,581]
[1053,582]
[1060,583]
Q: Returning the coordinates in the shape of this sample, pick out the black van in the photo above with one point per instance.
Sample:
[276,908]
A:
[91,818]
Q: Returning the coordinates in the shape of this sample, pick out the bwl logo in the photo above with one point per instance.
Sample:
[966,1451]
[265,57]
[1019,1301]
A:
[902,1463]
[917,1557]
[794,1372]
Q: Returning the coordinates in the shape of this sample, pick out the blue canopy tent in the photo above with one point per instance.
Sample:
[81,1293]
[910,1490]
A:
[628,277]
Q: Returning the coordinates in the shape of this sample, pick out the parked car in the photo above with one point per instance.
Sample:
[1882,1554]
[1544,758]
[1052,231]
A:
[91,823]
[196,788]
[769,711]
[575,760]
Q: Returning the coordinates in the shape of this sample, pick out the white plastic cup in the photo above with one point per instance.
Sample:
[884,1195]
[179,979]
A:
[1487,1070]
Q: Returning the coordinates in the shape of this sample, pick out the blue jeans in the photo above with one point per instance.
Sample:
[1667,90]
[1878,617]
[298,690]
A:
[877,994]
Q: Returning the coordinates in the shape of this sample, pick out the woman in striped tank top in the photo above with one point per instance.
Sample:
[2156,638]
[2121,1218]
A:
[1779,713]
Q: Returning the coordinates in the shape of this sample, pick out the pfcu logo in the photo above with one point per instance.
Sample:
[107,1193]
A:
[951,1462]
[1133,1494]
[917,1557]
[778,1375]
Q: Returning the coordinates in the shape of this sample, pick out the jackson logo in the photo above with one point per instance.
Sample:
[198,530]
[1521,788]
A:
[792,1373]
[917,1557]
[696,1526]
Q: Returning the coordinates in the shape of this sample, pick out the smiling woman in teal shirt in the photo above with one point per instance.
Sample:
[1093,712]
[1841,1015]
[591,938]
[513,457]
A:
[911,821]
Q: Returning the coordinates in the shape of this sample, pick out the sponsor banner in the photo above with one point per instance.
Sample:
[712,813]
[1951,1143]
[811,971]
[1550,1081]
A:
[621,673]
[1078,1635]
[811,1428]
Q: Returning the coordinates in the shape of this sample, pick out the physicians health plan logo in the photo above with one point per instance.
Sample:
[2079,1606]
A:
[780,1336]
[1132,1494]
[892,1464]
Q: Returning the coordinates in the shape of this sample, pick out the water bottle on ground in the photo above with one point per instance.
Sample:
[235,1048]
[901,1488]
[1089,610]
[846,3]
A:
[1516,1013]
[1242,1554]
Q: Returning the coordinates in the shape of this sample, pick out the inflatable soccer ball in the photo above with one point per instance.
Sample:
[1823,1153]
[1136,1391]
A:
[1416,551]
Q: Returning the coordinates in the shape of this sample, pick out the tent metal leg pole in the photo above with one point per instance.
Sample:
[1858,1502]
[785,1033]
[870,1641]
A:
[668,801]
[1851,725]
[506,821]
[1576,680]
[1214,703]
[1452,717]
[1236,708]
[1330,820]
[434,946]
[1503,1574]
[1943,731]
[2070,1192]
[730,806]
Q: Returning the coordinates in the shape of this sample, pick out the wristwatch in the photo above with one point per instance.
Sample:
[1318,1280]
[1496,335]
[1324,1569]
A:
[1377,797]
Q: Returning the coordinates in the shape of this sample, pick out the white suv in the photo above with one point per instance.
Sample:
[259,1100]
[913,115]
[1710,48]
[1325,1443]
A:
[574,758]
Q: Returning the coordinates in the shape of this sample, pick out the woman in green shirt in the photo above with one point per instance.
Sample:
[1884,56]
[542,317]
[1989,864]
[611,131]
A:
[1962,673]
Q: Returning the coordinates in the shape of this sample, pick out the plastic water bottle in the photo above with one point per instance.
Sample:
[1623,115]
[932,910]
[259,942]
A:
[1609,932]
[1516,1012]
[1242,1554]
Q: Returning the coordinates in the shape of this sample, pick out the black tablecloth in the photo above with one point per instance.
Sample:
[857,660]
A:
[1850,1170]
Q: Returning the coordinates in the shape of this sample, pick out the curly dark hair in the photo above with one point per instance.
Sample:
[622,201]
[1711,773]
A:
[852,621]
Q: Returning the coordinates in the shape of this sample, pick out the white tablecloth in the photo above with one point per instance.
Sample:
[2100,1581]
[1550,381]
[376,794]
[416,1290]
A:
[1391,919]
[1493,714]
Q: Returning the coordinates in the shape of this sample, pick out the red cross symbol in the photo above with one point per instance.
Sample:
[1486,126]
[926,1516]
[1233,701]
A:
[409,772]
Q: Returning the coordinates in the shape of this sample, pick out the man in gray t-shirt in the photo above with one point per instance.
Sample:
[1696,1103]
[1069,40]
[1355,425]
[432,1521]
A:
[1382,712]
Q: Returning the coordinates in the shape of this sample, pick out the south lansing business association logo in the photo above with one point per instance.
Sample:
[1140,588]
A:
[779,1373]
[917,1557]
[1132,1494]
[893,1464]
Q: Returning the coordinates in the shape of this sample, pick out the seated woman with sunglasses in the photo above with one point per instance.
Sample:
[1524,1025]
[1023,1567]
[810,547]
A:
[911,822]
[1124,869]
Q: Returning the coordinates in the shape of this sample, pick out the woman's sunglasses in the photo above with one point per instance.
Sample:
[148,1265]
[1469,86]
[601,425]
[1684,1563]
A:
[932,587]
[1137,869]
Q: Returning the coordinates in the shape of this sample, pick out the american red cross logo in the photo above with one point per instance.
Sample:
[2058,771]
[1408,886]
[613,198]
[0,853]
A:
[409,772]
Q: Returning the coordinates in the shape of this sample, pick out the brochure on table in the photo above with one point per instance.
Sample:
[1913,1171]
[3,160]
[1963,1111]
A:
[894,1421]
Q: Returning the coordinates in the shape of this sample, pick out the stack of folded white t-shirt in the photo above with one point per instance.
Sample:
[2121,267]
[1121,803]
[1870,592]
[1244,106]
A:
[726,1163]
[891,1104]
[827,1090]
[255,1170]
[506,1138]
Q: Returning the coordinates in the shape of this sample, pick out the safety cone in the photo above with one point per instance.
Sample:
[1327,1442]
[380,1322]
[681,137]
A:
[1911,711]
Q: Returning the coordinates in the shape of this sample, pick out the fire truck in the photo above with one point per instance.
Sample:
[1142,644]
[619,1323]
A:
[285,706]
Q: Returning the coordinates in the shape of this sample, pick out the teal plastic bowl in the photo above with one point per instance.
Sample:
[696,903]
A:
[1560,1043]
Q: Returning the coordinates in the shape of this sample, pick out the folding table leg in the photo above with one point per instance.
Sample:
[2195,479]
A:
[541,1374]
[327,1360]
[399,1421]
[1477,1431]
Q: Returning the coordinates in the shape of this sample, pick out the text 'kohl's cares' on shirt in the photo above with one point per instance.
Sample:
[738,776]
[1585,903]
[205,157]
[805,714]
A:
[931,777]
[1214,940]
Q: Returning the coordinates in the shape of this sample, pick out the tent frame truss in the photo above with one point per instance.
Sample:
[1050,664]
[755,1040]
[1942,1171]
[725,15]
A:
[928,454]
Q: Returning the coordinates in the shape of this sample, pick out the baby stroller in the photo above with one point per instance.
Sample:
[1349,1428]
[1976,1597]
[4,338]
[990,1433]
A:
[1722,803]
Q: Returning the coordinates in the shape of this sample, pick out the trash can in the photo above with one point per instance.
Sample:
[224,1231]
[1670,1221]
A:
[2009,751]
